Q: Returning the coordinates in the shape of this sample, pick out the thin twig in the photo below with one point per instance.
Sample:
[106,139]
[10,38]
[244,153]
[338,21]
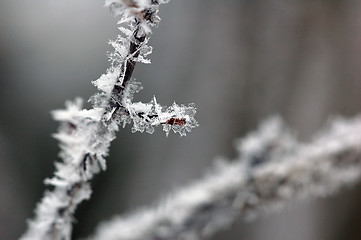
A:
[85,135]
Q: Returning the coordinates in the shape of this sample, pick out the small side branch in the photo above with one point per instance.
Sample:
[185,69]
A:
[272,170]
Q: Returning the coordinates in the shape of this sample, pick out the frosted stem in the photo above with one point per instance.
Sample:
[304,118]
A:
[85,135]
[272,170]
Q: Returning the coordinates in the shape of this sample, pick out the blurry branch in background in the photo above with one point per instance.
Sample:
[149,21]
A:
[85,135]
[272,169]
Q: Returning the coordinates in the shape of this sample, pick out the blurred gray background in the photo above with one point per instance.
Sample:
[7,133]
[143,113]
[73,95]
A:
[238,60]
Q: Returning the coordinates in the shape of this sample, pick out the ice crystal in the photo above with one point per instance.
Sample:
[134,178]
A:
[145,116]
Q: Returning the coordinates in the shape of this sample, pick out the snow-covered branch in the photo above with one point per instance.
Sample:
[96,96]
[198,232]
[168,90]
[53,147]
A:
[272,169]
[85,135]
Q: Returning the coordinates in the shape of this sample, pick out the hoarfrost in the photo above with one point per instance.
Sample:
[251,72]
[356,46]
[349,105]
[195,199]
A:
[85,135]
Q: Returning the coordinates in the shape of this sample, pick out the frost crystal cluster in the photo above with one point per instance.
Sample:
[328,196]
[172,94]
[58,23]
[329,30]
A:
[272,169]
[85,135]
[117,87]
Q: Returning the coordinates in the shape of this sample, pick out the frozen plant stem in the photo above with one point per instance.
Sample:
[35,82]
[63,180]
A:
[85,135]
[272,169]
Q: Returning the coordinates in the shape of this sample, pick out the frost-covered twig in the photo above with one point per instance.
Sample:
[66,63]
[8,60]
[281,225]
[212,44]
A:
[85,135]
[272,169]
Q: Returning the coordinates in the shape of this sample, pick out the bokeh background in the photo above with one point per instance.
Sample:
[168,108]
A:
[238,60]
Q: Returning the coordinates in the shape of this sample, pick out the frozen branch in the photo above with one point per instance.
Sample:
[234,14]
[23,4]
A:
[272,170]
[85,135]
